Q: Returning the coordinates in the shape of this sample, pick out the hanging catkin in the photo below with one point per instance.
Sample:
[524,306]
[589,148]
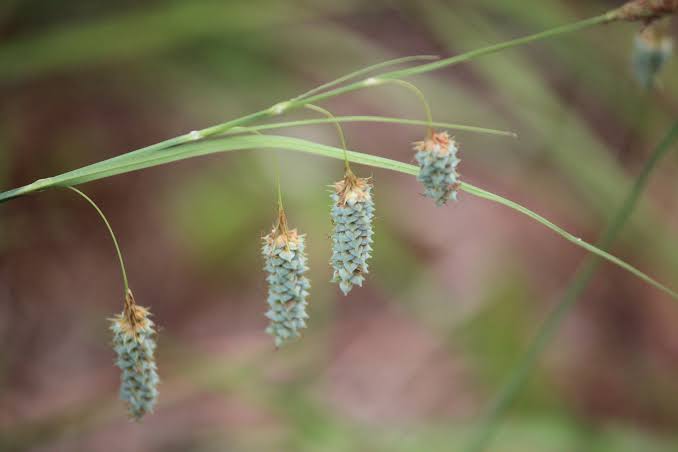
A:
[285,263]
[437,158]
[352,214]
[134,344]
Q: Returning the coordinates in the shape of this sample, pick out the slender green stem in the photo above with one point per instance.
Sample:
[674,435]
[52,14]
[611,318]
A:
[279,193]
[110,231]
[295,103]
[520,373]
[464,57]
[366,70]
[193,145]
[372,119]
[277,177]
[569,28]
[567,236]
[113,166]
[340,131]
[422,98]
[300,101]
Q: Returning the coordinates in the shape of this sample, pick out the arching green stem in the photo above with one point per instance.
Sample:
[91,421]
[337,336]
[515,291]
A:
[422,98]
[340,131]
[365,70]
[371,119]
[114,166]
[295,103]
[110,231]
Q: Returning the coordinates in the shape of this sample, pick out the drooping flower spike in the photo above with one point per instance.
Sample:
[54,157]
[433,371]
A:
[352,214]
[438,161]
[436,156]
[285,263]
[652,49]
[134,343]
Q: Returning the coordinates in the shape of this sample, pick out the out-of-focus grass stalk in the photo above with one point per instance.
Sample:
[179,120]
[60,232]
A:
[520,373]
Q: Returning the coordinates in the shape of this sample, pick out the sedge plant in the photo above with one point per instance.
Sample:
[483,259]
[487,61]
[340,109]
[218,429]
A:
[352,212]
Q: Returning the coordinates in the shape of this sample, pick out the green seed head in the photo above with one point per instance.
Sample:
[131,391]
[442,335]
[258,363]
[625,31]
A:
[134,345]
[438,161]
[352,213]
[285,264]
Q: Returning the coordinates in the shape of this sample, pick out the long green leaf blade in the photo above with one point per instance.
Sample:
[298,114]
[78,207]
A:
[125,163]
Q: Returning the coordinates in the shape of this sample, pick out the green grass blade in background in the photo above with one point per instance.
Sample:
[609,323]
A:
[580,281]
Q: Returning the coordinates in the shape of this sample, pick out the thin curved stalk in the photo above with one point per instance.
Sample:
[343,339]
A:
[366,70]
[374,119]
[340,132]
[111,233]
[300,101]
[115,166]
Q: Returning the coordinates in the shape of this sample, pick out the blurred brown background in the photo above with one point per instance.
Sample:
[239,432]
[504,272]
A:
[407,363]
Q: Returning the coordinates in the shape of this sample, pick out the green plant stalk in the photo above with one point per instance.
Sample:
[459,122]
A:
[114,166]
[519,375]
[422,98]
[301,101]
[340,132]
[42,184]
[364,71]
[569,28]
[112,234]
[373,119]
[183,146]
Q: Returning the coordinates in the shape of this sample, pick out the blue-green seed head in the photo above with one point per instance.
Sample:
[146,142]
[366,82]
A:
[134,345]
[285,264]
[352,213]
[652,49]
[438,161]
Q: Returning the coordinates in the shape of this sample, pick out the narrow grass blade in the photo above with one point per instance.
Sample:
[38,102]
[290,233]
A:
[366,70]
[379,119]
[567,236]
[125,163]
[569,28]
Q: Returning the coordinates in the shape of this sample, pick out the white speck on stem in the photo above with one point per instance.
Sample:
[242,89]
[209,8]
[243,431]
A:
[195,135]
[372,81]
[278,109]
